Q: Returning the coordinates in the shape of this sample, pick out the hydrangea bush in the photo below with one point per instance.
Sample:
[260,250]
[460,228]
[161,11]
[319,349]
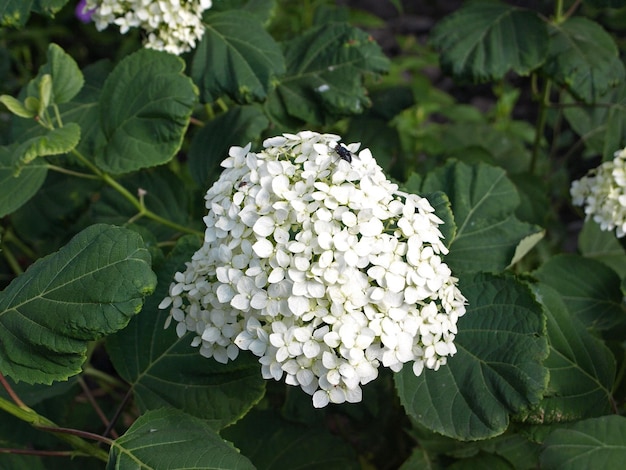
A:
[432,297]
[322,268]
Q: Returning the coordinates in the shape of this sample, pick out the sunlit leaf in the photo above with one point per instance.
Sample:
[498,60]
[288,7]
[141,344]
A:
[145,106]
[88,289]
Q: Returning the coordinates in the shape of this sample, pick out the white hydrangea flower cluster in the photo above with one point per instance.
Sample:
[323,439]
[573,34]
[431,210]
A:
[170,25]
[321,268]
[602,192]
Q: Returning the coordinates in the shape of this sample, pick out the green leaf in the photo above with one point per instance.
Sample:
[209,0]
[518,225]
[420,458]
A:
[497,370]
[88,289]
[145,106]
[325,71]
[485,40]
[209,147]
[483,202]
[589,288]
[171,439]
[582,368]
[592,443]
[67,79]
[225,63]
[53,142]
[165,370]
[15,13]
[17,188]
[583,58]
[602,246]
[17,107]
[284,444]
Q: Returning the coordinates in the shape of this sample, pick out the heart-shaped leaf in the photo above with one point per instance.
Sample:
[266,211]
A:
[88,289]
[145,106]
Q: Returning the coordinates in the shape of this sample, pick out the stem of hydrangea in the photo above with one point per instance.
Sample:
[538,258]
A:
[30,416]
[142,210]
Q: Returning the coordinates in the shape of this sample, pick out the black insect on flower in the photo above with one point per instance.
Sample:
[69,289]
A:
[343,152]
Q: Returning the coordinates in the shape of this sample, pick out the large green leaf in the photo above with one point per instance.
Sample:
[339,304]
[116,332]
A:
[226,63]
[593,443]
[325,70]
[88,289]
[171,439]
[497,370]
[584,58]
[18,188]
[284,444]
[165,370]
[485,40]
[145,106]
[209,147]
[590,289]
[582,368]
[483,201]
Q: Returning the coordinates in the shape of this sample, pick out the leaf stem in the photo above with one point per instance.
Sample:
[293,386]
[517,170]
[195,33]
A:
[70,436]
[143,211]
[541,124]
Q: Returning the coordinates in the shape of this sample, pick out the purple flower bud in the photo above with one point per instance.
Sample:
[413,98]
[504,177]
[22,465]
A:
[82,13]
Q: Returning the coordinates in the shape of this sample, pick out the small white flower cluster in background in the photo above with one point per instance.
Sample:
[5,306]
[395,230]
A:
[321,268]
[173,26]
[603,194]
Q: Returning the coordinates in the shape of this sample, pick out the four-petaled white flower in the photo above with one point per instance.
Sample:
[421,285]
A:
[321,268]
[602,192]
[173,26]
